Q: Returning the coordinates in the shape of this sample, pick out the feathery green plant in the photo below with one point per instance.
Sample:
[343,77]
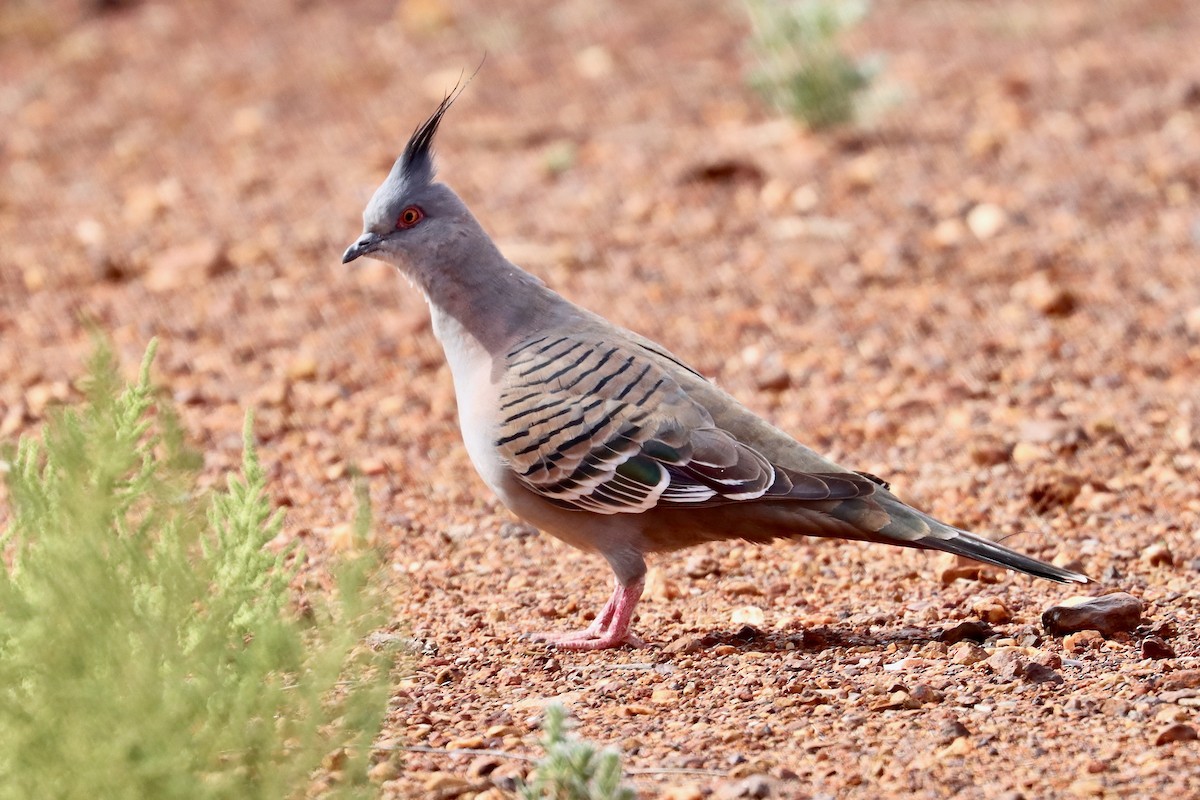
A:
[147,647]
[802,68]
[574,769]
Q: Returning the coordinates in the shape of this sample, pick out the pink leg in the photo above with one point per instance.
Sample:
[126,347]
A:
[609,629]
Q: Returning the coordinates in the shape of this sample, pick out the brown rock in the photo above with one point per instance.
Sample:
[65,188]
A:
[482,766]
[1158,555]
[989,452]
[1156,647]
[1054,492]
[1108,614]
[1183,679]
[1179,732]
[896,701]
[1083,640]
[684,644]
[753,786]
[991,609]
[1008,663]
[743,588]
[700,567]
[1045,296]
[967,653]
[972,630]
[772,376]
[664,697]
[1040,673]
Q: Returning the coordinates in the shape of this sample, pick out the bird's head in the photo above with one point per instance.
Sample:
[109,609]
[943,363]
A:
[411,220]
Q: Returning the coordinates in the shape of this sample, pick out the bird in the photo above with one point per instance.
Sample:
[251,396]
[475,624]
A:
[604,438]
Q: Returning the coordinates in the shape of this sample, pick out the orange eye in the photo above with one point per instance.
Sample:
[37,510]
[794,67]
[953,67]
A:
[409,217]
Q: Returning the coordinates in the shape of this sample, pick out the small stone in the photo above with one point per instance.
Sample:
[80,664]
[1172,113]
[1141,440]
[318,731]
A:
[748,615]
[1040,673]
[863,171]
[700,567]
[1025,453]
[1158,555]
[989,453]
[1008,663]
[482,766]
[897,700]
[383,771]
[1108,614]
[302,368]
[743,588]
[500,731]
[968,570]
[923,693]
[991,609]
[967,653]
[752,786]
[444,785]
[594,62]
[986,220]
[685,644]
[948,233]
[1156,647]
[1084,640]
[1191,321]
[1056,491]
[958,748]
[1090,786]
[972,630]
[1045,297]
[1183,679]
[771,375]
[689,791]
[372,465]
[952,730]
[664,696]
[1179,732]
[467,742]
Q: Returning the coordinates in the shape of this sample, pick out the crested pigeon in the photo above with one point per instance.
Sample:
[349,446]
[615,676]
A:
[603,438]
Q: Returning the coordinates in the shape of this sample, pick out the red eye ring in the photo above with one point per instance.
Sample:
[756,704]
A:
[410,216]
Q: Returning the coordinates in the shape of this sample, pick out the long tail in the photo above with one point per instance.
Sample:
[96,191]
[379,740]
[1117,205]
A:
[964,543]
[885,518]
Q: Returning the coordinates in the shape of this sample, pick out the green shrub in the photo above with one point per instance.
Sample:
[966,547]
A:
[147,645]
[802,68]
[573,769]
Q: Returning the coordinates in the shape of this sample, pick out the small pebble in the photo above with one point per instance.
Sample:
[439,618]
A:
[1156,647]
[1179,732]
[1158,555]
[986,220]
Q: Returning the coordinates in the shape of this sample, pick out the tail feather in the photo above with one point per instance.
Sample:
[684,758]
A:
[906,526]
[963,543]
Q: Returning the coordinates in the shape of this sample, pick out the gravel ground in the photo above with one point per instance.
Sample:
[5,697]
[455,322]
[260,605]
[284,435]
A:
[990,297]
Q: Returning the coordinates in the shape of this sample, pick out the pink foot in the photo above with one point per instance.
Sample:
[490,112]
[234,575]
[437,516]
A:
[609,629]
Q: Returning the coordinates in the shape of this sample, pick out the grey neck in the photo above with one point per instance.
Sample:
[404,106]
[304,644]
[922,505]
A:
[493,301]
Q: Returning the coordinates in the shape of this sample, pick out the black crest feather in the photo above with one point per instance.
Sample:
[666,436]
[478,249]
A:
[415,165]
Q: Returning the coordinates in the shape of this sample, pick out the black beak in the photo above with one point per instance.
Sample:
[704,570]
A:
[367,243]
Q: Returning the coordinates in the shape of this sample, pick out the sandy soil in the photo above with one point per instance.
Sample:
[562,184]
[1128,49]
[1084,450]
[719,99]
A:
[990,297]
